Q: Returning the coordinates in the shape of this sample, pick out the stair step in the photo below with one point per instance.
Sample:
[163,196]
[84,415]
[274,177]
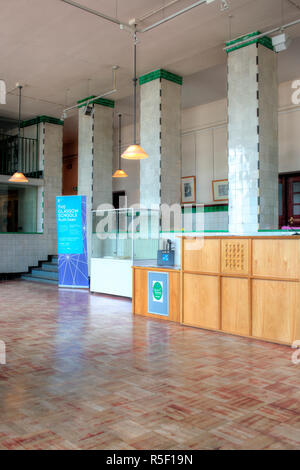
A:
[50,267]
[29,278]
[40,273]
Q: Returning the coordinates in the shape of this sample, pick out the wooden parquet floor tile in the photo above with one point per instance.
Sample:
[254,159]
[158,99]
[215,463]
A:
[83,373]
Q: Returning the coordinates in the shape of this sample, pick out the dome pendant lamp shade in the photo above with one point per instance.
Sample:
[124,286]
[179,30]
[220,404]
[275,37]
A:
[120,173]
[135,152]
[18,176]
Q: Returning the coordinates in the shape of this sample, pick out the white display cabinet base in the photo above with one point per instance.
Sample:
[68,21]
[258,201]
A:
[111,276]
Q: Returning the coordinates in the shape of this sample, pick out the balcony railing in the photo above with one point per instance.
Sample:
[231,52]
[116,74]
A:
[27,160]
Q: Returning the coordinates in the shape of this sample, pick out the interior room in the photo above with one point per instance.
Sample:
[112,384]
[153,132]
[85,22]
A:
[150,226]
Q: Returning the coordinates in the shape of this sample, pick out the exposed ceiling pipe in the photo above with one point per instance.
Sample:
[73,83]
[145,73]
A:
[272,31]
[171,17]
[65,111]
[94,12]
[132,26]
[157,10]
[91,101]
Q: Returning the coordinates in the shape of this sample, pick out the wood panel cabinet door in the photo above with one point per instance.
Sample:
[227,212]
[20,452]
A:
[275,305]
[235,306]
[201,255]
[201,301]
[140,300]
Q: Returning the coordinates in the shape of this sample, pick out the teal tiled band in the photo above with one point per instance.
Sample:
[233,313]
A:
[39,119]
[206,209]
[251,39]
[160,73]
[101,101]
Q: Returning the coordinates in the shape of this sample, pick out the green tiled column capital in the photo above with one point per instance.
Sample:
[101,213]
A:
[251,39]
[39,119]
[101,101]
[160,73]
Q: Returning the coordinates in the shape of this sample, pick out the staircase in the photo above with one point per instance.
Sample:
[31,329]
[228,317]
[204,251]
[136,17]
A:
[47,273]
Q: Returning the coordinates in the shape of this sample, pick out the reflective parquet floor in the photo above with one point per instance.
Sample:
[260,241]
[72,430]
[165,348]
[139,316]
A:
[82,373]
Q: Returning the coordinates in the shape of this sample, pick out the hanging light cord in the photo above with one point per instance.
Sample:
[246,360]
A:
[120,139]
[19,125]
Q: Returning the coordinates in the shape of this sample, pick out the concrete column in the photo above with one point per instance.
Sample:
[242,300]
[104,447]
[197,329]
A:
[49,132]
[160,174]
[52,135]
[252,137]
[95,157]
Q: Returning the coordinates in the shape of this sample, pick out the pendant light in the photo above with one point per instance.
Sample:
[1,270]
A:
[134,152]
[19,177]
[120,173]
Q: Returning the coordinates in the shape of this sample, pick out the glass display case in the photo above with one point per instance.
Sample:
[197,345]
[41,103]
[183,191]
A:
[121,238]
[125,234]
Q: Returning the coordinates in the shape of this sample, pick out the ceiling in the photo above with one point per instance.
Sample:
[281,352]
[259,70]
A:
[61,54]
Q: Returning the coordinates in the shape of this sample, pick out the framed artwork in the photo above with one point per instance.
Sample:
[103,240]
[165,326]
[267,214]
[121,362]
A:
[220,190]
[188,190]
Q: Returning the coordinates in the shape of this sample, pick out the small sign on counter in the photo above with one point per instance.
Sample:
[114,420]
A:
[158,293]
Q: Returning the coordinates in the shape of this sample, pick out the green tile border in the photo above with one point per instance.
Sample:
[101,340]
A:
[40,119]
[277,231]
[160,73]
[101,101]
[206,209]
[264,41]
[195,231]
[21,233]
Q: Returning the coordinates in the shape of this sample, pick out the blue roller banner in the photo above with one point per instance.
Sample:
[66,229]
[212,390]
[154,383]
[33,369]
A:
[72,242]
[158,293]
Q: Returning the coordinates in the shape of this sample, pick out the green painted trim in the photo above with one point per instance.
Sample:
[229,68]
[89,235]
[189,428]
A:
[21,233]
[101,101]
[264,41]
[206,209]
[39,119]
[160,73]
[278,231]
[195,231]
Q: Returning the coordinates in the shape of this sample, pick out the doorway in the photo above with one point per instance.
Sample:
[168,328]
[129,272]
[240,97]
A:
[289,200]
[118,198]
[70,175]
[70,157]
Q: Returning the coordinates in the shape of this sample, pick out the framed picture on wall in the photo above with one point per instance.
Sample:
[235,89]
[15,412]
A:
[220,190]
[188,190]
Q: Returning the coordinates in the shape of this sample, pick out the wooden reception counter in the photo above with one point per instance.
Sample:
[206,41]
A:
[248,286]
[140,299]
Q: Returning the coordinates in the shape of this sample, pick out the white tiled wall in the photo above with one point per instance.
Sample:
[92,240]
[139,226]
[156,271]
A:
[216,221]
